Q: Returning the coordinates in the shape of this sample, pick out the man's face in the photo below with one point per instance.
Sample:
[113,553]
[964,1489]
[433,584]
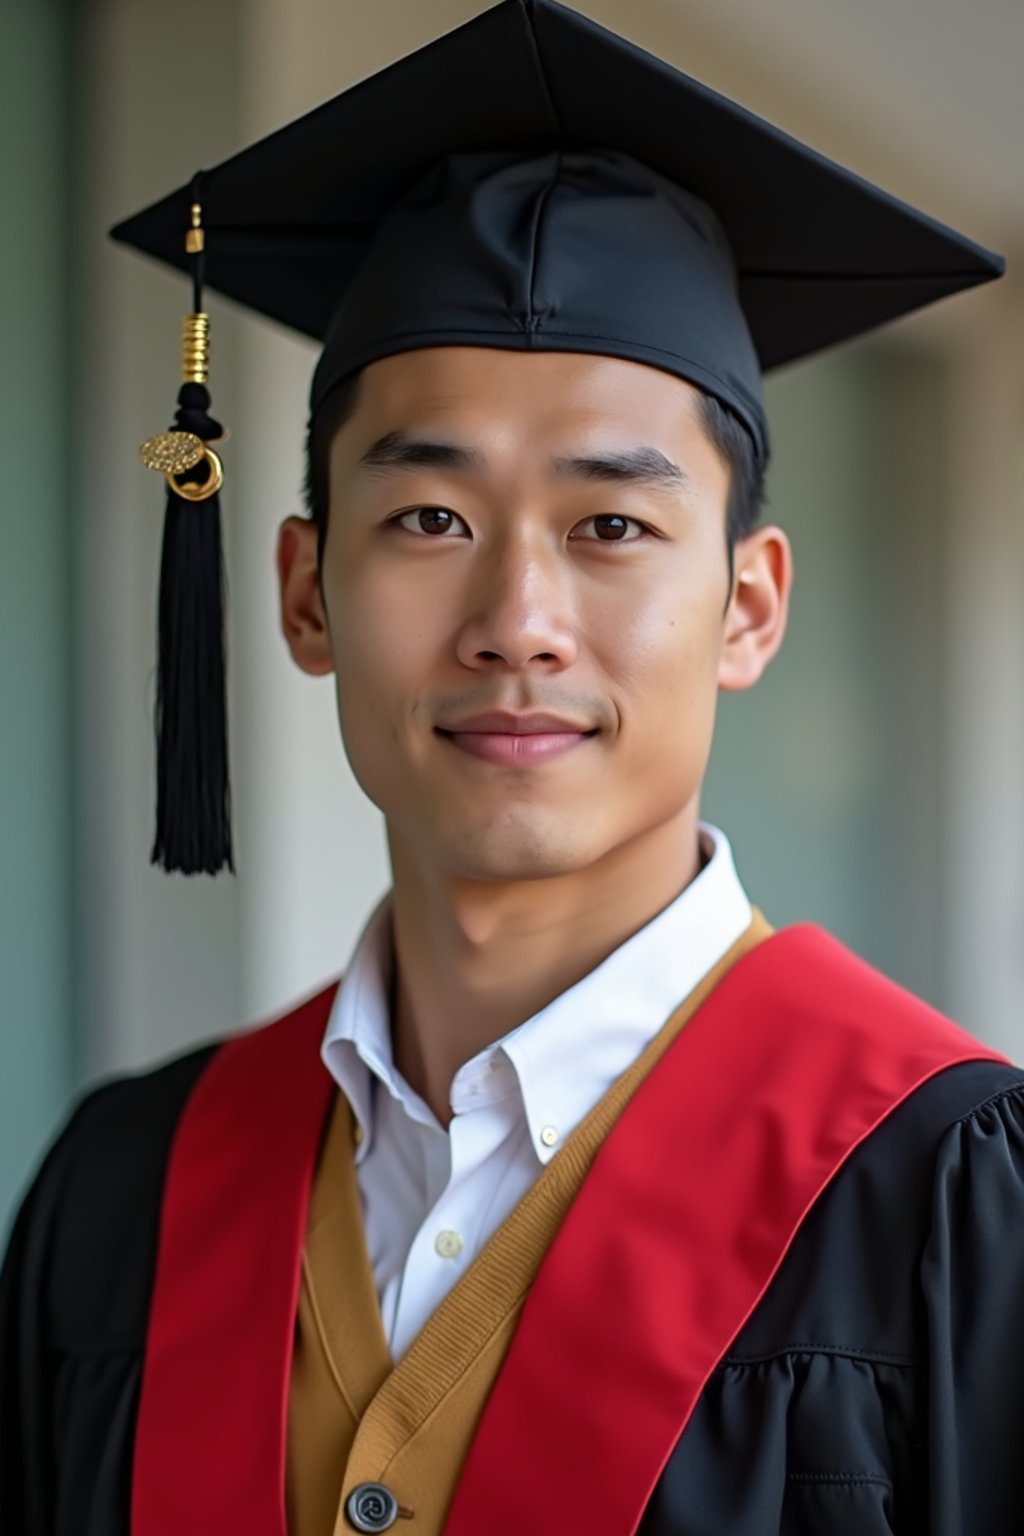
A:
[525,531]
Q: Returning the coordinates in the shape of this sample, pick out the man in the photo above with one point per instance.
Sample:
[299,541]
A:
[613,1210]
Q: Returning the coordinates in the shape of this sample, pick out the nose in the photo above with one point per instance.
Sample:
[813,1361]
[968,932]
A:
[521,610]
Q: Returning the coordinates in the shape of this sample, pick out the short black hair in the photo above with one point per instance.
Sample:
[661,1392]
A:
[725,429]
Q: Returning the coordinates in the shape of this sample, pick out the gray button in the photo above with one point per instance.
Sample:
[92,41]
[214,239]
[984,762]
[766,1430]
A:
[371,1507]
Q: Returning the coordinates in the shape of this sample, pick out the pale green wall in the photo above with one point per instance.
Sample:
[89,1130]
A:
[35,588]
[827,775]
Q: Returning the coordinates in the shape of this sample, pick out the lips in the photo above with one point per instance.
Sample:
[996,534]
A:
[526,749]
[506,723]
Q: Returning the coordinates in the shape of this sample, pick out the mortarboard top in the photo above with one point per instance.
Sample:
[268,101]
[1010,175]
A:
[529,181]
[821,255]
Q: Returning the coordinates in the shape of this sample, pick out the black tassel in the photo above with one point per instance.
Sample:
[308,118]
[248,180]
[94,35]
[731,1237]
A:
[193,812]
[193,803]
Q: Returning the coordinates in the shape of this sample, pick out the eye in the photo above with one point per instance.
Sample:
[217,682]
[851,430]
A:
[436,521]
[617,518]
[433,520]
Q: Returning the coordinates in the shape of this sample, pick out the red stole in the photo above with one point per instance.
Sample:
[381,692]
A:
[801,1051]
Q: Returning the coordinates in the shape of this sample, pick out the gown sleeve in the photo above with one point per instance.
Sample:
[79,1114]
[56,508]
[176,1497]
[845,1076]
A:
[973,1280]
[75,1291]
[27,1470]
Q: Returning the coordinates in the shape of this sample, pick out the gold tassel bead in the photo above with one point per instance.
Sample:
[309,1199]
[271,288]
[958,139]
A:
[195,235]
[195,349]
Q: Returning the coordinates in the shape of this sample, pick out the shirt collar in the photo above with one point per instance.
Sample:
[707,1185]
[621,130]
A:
[567,1055]
[356,1048]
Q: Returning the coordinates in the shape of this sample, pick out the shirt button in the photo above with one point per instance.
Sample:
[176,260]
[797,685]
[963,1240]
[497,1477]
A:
[549,1136]
[371,1507]
[448,1245]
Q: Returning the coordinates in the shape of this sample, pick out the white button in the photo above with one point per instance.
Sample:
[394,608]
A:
[448,1244]
[549,1135]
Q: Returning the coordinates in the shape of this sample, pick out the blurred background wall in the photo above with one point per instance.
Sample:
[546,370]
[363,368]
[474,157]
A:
[36,586]
[872,782]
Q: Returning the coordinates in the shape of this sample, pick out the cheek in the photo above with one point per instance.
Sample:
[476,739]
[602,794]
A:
[666,692]
[360,635]
[368,662]
[384,656]
[663,652]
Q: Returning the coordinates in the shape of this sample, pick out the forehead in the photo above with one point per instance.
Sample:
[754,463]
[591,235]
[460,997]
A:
[526,395]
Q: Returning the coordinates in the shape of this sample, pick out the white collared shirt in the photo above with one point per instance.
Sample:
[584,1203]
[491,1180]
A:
[431,1197]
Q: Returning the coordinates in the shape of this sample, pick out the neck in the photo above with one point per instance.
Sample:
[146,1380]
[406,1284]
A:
[475,958]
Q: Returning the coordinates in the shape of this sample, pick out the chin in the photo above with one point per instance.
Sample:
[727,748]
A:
[521,853]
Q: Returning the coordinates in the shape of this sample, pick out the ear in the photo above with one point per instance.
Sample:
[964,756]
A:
[303,616]
[755,621]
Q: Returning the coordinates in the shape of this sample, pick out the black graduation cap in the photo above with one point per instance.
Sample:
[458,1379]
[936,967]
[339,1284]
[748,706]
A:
[533,181]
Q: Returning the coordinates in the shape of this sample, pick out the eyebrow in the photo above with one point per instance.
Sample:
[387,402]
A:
[640,465]
[637,466]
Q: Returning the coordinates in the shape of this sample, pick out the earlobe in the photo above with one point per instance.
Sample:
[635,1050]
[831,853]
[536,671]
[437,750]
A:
[755,622]
[303,617]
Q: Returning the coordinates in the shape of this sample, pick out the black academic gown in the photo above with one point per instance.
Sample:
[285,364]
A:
[877,1388]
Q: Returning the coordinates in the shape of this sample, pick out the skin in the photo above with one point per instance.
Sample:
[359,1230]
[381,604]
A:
[511,884]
